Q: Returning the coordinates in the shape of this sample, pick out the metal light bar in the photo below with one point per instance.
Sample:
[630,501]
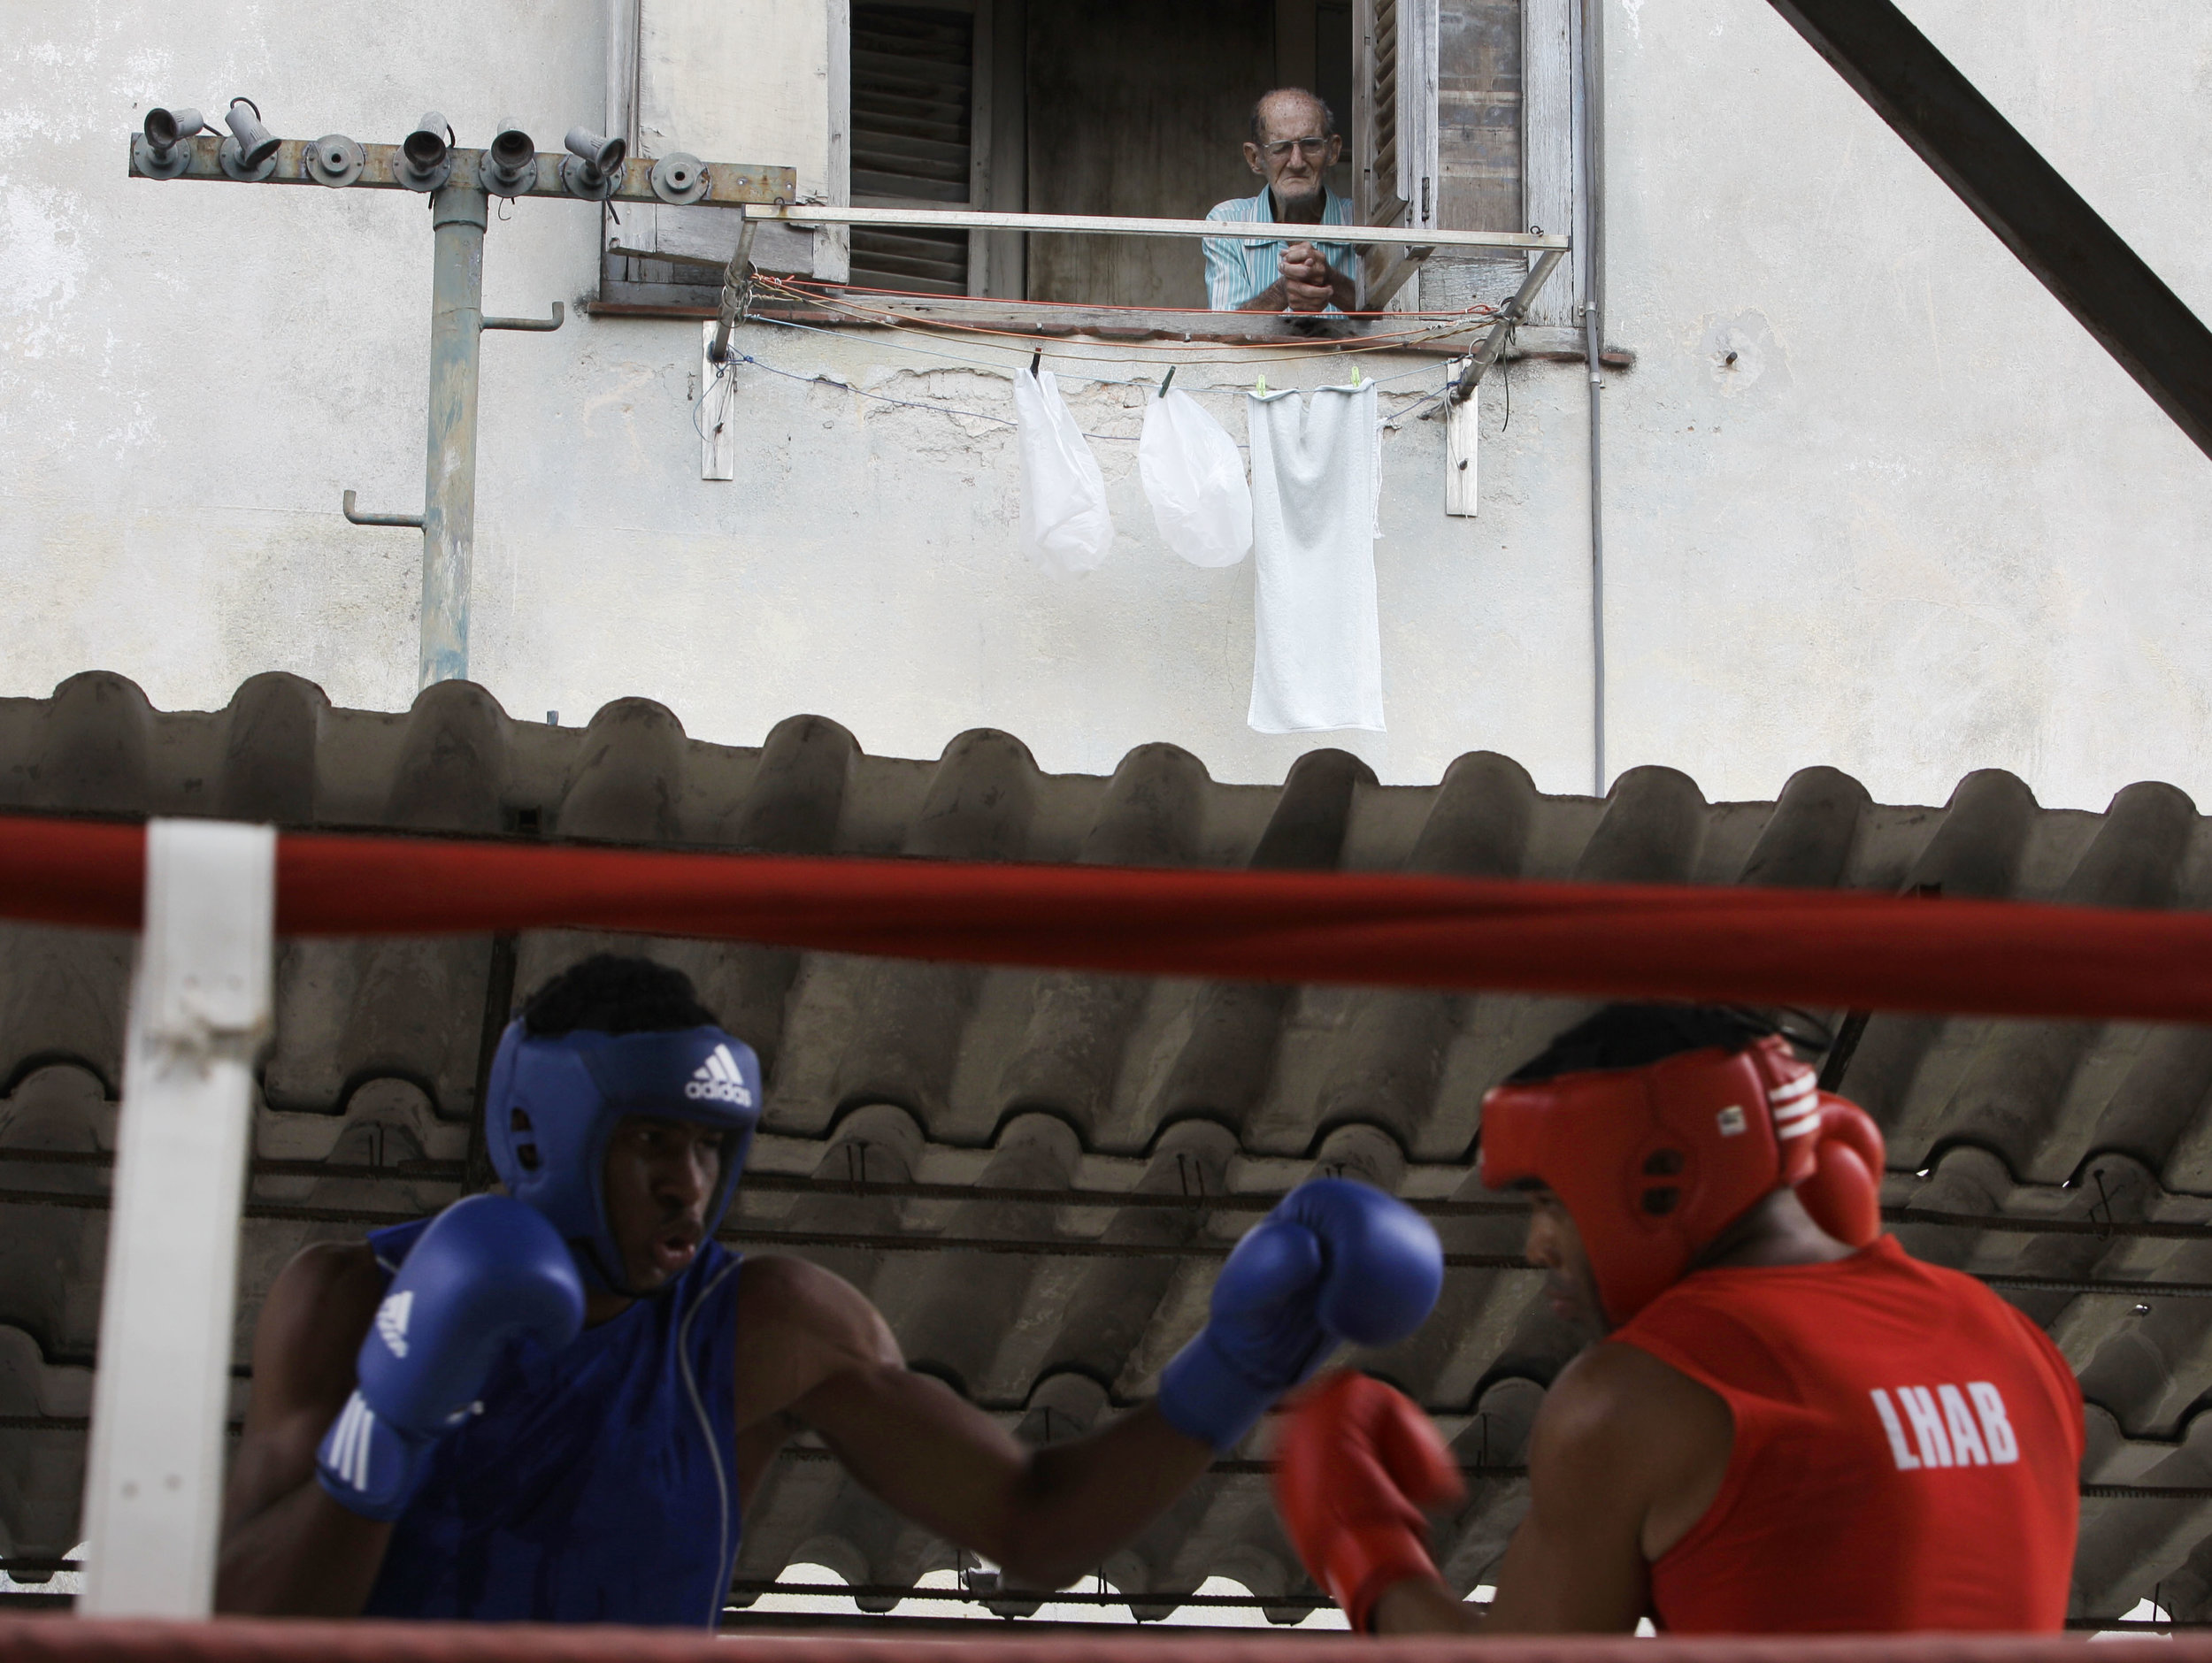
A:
[460,184]
[728,184]
[1104,225]
[2111,292]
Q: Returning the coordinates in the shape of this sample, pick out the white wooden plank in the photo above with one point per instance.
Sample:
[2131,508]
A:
[718,411]
[833,244]
[1418,26]
[1460,428]
[1550,102]
[199,1014]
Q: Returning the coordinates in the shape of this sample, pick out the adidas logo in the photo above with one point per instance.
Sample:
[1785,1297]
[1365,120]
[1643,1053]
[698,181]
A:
[719,1080]
[346,1449]
[1796,1105]
[391,1322]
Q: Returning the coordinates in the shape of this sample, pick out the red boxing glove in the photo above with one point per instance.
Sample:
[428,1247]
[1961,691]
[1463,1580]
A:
[1356,1464]
[1843,1193]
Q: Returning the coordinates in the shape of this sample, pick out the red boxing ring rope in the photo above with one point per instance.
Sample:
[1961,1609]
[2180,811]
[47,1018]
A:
[52,1640]
[1815,947]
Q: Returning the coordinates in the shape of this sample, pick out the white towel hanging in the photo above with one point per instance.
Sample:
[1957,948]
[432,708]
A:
[1317,648]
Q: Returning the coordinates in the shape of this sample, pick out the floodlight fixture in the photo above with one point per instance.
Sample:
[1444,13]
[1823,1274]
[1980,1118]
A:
[592,168]
[680,177]
[165,129]
[425,161]
[160,151]
[249,154]
[333,160]
[511,166]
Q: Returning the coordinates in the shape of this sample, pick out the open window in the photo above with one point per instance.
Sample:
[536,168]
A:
[1458,115]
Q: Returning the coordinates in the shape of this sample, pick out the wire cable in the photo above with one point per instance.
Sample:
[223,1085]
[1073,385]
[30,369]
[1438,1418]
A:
[822,378]
[1255,352]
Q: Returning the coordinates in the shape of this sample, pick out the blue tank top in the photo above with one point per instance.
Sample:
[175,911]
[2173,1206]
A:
[596,1483]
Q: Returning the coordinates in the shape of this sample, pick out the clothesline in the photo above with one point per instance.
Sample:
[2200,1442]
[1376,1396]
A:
[1455,323]
[820,378]
[1099,380]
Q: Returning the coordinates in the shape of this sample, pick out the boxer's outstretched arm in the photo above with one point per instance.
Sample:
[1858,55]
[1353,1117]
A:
[289,1549]
[813,1352]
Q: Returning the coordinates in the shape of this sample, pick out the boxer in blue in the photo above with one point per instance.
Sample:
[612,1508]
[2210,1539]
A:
[553,1404]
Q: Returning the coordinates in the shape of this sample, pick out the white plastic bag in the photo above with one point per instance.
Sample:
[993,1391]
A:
[1194,478]
[1064,527]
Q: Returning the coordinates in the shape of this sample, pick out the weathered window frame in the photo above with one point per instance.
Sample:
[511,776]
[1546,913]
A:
[1551,150]
[1394,120]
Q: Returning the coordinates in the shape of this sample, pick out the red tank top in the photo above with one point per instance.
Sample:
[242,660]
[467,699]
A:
[1906,1452]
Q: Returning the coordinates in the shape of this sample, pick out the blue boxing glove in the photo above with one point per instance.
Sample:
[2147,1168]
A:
[1334,1262]
[488,1270]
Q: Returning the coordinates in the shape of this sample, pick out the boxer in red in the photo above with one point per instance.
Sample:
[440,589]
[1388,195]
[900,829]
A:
[1789,1425]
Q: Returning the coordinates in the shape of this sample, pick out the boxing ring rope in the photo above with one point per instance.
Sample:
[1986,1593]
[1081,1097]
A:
[44,1640]
[210,897]
[1818,948]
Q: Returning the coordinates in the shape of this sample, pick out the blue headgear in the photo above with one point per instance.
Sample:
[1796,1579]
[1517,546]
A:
[553,1102]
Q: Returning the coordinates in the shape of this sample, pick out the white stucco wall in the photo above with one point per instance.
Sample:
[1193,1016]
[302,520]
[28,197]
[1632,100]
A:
[1922,525]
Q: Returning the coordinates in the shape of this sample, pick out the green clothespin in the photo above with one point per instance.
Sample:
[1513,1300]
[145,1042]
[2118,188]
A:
[1259,388]
[1355,372]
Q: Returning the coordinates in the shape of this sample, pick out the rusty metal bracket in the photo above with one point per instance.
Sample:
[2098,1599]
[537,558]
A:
[539,325]
[346,506]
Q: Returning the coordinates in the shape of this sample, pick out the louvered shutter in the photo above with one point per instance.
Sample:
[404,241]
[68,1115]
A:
[1394,111]
[913,114]
[1375,111]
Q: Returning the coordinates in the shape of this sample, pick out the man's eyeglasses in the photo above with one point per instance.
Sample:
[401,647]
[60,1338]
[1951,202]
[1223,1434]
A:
[1312,150]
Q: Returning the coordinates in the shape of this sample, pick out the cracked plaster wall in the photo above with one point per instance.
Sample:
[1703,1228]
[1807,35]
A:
[1921,524]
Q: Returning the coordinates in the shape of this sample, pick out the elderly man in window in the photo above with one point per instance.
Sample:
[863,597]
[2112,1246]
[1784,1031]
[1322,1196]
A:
[1293,142]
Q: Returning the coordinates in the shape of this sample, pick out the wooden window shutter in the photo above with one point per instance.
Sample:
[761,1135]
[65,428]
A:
[913,126]
[1394,111]
[1551,144]
[1479,116]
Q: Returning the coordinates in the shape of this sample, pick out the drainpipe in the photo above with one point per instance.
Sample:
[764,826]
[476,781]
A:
[448,492]
[1593,306]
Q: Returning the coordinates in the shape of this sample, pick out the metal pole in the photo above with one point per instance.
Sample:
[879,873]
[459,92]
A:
[1593,299]
[1510,319]
[449,491]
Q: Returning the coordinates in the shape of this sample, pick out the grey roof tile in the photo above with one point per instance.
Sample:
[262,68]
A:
[898,1092]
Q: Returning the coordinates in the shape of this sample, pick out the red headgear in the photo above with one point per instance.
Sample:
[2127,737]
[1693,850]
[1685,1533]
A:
[1654,1162]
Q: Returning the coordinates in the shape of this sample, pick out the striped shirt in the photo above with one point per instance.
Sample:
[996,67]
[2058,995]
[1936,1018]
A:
[1237,272]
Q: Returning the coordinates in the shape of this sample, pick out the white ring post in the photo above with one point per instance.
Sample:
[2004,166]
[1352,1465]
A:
[200,1012]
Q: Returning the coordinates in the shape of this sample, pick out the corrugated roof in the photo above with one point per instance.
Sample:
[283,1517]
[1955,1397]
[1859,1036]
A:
[912,1106]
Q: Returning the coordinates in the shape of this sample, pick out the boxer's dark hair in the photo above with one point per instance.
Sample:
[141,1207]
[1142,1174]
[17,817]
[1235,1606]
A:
[1631,1036]
[613,992]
